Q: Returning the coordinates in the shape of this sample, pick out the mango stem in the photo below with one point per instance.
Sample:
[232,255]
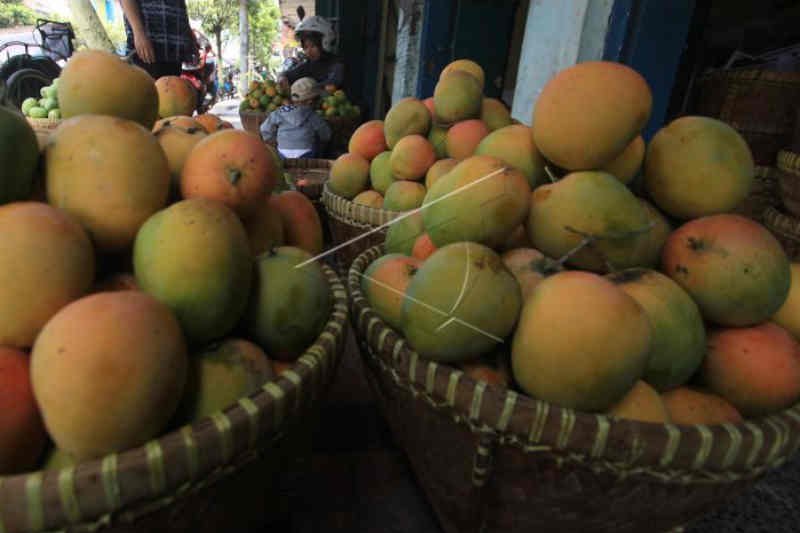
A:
[233,175]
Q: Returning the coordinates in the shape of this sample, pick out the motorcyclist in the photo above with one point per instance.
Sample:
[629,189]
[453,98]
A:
[317,40]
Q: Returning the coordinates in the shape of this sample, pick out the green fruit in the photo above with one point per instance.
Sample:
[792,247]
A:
[37,112]
[28,103]
[19,156]
[289,305]
[265,100]
[54,114]
[220,374]
[48,104]
[461,303]
[195,257]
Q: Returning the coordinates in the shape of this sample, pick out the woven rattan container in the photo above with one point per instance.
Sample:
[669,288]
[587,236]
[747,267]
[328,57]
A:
[227,472]
[490,459]
[765,193]
[789,161]
[760,104]
[354,227]
[786,229]
[309,175]
[43,127]
[251,121]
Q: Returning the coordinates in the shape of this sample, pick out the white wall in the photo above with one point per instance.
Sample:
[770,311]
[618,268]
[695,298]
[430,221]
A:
[558,33]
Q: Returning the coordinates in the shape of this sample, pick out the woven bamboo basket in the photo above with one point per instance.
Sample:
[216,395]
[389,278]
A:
[789,186]
[228,472]
[43,127]
[309,175]
[490,459]
[760,104]
[789,161]
[251,120]
[354,227]
[765,193]
[786,229]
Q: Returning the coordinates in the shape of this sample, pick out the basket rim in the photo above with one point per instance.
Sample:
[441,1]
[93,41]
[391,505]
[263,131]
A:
[357,215]
[210,447]
[669,452]
[307,163]
[750,73]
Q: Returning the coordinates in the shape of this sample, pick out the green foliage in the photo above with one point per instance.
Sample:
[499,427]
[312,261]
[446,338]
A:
[264,17]
[13,13]
[216,16]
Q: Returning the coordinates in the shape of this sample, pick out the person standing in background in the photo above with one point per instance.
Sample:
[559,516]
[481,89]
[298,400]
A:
[159,32]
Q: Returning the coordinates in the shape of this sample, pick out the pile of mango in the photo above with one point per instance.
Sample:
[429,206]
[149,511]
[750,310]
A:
[267,96]
[151,282]
[571,260]
[44,107]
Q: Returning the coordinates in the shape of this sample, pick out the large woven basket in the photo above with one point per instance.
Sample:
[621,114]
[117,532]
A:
[251,120]
[490,459]
[227,472]
[765,193]
[354,227]
[786,229]
[760,104]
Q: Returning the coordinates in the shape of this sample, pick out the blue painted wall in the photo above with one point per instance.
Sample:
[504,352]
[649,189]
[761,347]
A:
[475,29]
[650,36]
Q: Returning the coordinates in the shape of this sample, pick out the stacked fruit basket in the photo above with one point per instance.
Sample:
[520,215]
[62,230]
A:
[167,337]
[553,351]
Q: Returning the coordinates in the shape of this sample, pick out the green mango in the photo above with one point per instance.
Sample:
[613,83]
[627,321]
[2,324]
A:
[27,104]
[37,112]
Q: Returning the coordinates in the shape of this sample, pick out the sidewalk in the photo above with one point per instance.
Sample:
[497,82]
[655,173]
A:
[228,110]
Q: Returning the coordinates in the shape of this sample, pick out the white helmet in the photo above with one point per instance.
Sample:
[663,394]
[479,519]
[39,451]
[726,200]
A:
[319,25]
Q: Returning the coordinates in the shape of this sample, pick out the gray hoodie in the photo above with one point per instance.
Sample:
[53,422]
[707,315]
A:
[296,127]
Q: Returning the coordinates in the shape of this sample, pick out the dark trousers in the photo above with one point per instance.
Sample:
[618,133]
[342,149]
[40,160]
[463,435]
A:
[159,68]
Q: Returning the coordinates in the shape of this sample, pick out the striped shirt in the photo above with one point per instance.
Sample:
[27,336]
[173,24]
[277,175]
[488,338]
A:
[167,24]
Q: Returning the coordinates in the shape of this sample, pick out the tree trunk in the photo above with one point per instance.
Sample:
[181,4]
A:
[218,36]
[88,26]
[244,48]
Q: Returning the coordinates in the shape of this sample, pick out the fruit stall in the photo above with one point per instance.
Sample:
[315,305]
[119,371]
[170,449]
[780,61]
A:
[461,321]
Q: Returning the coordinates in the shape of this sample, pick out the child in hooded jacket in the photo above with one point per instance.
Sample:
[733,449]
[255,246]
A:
[297,128]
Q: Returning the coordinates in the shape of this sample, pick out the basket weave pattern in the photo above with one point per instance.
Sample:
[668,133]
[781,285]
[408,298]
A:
[789,161]
[218,474]
[765,193]
[786,229]
[43,127]
[363,225]
[760,104]
[490,459]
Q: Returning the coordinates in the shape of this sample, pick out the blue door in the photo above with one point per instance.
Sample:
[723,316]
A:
[479,30]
